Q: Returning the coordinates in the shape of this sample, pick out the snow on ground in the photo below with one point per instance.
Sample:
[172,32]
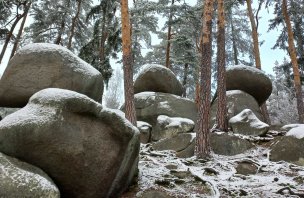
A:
[163,172]
[297,132]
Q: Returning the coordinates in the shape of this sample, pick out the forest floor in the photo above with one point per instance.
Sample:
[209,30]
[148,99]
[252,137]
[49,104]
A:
[250,174]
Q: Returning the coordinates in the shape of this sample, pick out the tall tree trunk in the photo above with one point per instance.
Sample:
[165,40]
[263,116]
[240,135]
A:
[127,63]
[186,67]
[257,57]
[221,117]
[103,38]
[254,34]
[299,38]
[74,20]
[234,47]
[9,36]
[169,35]
[203,136]
[293,57]
[18,38]
[58,39]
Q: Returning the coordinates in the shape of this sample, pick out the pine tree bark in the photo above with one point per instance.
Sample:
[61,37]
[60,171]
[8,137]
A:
[185,78]
[127,63]
[18,38]
[221,117]
[74,20]
[293,57]
[9,36]
[169,35]
[203,136]
[256,51]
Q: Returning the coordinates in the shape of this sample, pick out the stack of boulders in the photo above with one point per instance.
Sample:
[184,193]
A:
[170,119]
[88,150]
[247,89]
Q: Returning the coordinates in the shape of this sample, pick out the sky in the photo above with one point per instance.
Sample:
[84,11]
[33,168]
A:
[268,56]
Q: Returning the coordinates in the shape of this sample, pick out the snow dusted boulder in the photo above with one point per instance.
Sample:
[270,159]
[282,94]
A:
[221,144]
[228,144]
[88,150]
[157,78]
[145,131]
[6,111]
[177,143]
[20,179]
[150,105]
[290,147]
[168,127]
[248,124]
[250,80]
[40,65]
[237,101]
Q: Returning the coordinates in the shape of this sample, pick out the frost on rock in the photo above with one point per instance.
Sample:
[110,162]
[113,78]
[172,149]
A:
[145,131]
[297,132]
[248,124]
[168,127]
[162,171]
[291,126]
[19,179]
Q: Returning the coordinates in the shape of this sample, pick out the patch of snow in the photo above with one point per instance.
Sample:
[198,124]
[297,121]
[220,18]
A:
[142,124]
[248,116]
[291,126]
[247,68]
[153,68]
[297,132]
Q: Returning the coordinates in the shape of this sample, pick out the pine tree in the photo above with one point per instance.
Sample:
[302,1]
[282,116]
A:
[143,23]
[20,7]
[105,40]
[257,52]
[203,136]
[221,116]
[18,38]
[127,63]
[293,57]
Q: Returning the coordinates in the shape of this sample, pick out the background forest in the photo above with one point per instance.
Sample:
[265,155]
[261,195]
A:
[165,32]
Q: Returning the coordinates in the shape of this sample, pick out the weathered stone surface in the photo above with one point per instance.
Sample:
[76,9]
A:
[145,131]
[40,65]
[88,150]
[168,127]
[20,179]
[226,144]
[221,144]
[288,148]
[237,101]
[149,105]
[177,143]
[246,168]
[250,80]
[247,123]
[157,78]
[6,111]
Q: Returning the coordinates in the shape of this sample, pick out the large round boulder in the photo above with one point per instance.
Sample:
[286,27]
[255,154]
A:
[150,105]
[250,80]
[88,150]
[237,101]
[20,179]
[290,147]
[157,78]
[40,65]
